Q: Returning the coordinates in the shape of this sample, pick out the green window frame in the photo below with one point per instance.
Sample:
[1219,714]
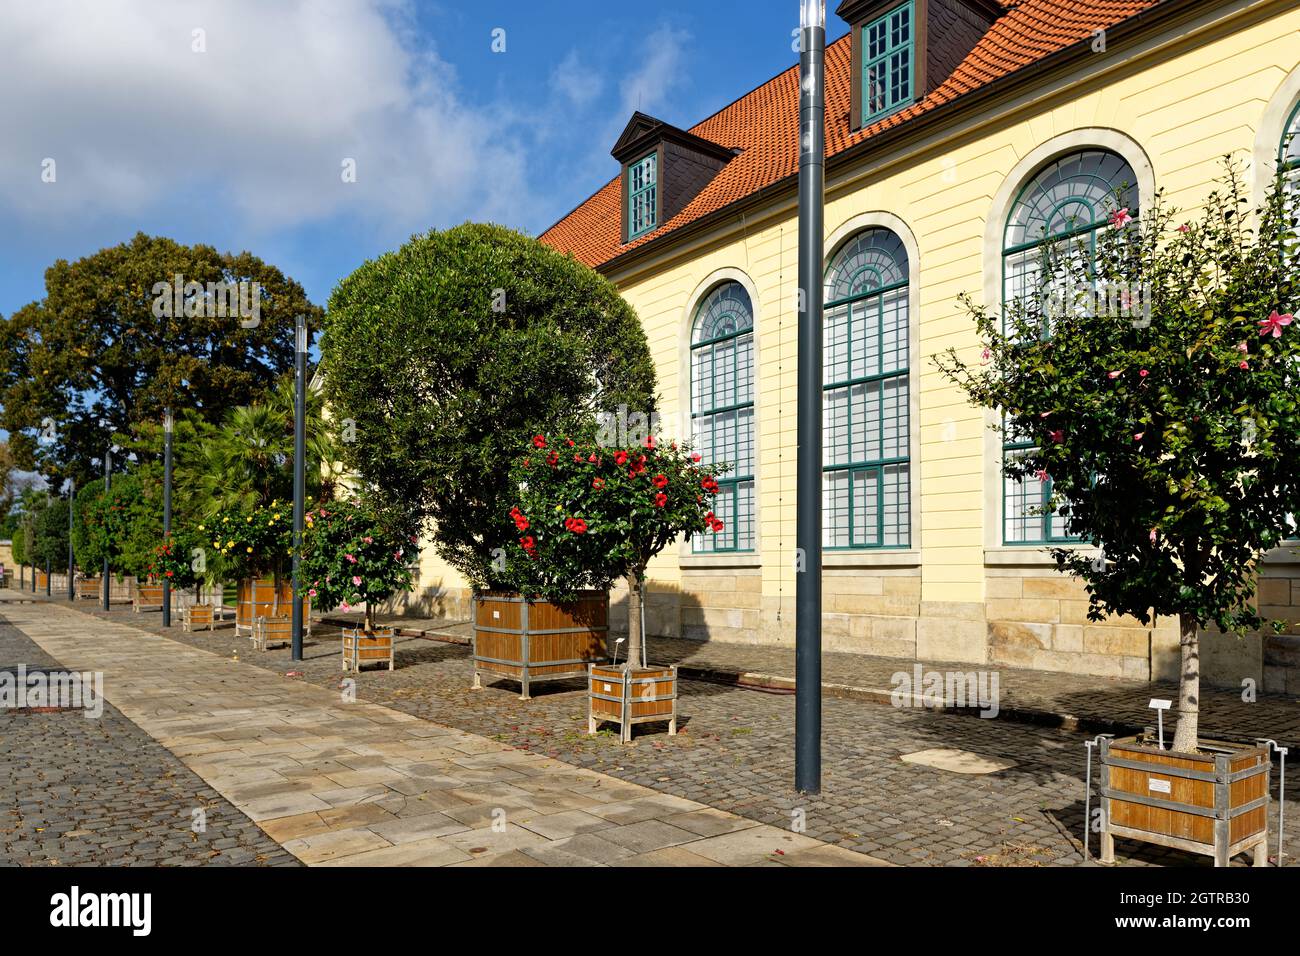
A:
[1067,199]
[642,195]
[722,410]
[888,64]
[866,400]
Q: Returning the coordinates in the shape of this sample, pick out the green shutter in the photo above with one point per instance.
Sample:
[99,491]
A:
[888,63]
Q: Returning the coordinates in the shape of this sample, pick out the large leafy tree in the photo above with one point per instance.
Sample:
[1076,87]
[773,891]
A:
[50,535]
[447,352]
[92,358]
[1169,439]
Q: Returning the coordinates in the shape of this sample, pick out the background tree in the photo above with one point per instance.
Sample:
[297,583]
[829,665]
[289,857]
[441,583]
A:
[50,536]
[449,351]
[1171,446]
[93,350]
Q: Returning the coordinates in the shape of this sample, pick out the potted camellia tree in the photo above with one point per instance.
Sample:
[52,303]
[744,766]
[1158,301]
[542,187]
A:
[1165,432]
[587,515]
[356,554]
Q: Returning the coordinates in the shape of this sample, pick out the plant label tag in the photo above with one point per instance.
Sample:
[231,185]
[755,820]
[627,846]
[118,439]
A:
[609,688]
[1157,786]
[496,615]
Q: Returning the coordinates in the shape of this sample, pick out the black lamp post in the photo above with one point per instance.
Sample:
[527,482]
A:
[808,468]
[72,502]
[299,473]
[167,511]
[108,470]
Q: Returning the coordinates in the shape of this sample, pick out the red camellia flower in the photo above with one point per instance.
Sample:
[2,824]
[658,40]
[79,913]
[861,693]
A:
[593,458]
[598,483]
[576,525]
[661,481]
[709,485]
[553,459]
[661,499]
[620,458]
[539,441]
[696,457]
[650,441]
[528,542]
[577,458]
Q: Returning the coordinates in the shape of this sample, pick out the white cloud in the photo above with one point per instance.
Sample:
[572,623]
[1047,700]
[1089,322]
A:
[578,83]
[261,121]
[661,70]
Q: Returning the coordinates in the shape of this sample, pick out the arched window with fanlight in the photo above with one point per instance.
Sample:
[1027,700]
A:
[1067,202]
[722,410]
[1289,152]
[866,474]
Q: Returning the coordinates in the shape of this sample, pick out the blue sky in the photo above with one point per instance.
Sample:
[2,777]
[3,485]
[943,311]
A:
[229,121]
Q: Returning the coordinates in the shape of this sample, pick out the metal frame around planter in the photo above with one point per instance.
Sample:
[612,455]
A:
[1222,777]
[626,720]
[526,678]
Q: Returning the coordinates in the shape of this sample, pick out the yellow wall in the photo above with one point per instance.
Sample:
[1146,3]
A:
[1174,108]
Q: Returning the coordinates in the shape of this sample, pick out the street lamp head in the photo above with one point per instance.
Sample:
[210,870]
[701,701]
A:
[812,13]
[168,421]
[300,334]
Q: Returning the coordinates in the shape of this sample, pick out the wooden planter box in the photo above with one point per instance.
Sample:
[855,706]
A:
[148,597]
[636,695]
[41,580]
[272,630]
[367,647]
[89,588]
[197,616]
[256,599]
[1214,803]
[534,640]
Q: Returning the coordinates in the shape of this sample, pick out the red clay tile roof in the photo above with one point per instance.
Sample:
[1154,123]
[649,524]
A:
[764,123]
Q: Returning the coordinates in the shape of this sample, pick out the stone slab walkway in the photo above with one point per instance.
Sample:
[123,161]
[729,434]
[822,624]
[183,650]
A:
[353,783]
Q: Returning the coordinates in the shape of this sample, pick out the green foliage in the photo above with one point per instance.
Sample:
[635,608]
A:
[88,549]
[93,349]
[125,523]
[448,351]
[246,460]
[19,545]
[253,542]
[50,535]
[1172,446]
[586,514]
[357,554]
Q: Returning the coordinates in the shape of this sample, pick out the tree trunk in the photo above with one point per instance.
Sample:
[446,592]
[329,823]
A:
[634,636]
[1189,686]
[370,619]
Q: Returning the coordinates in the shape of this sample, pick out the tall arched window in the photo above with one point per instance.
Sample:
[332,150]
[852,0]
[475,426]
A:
[1289,151]
[722,409]
[1069,199]
[866,486]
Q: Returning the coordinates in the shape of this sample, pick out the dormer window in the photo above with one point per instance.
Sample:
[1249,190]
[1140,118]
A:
[642,195]
[904,49]
[886,45]
[664,168]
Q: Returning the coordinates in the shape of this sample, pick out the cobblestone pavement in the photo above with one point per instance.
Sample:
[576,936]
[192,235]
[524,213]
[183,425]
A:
[734,751]
[1078,702]
[345,782]
[81,792]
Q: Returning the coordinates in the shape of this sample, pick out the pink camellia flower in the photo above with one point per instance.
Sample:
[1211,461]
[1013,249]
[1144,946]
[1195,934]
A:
[1057,436]
[1143,373]
[1114,374]
[986,354]
[1120,217]
[1042,475]
[368,540]
[356,579]
[311,593]
[1275,323]
[1243,365]
[1184,228]
[1138,436]
[1243,348]
[346,607]
[1043,414]
[1153,535]
[351,558]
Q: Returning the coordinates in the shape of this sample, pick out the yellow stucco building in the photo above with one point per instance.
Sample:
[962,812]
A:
[955,129]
